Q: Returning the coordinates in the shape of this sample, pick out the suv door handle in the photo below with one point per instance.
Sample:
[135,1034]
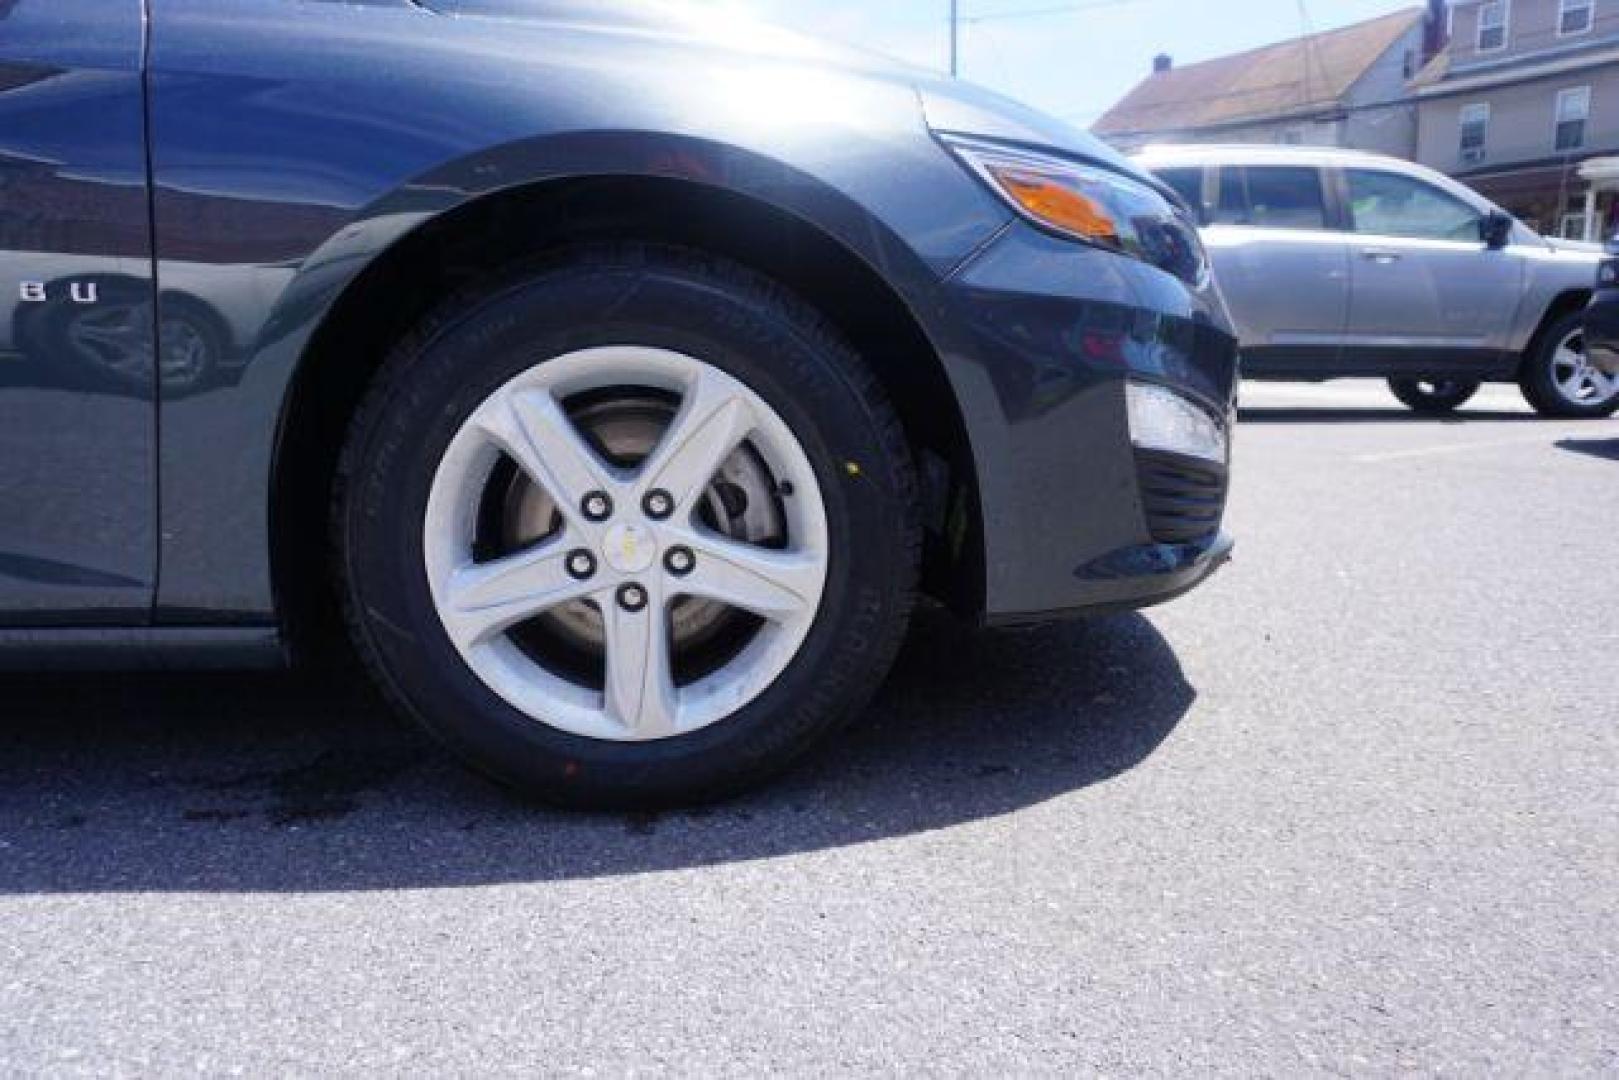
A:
[1380,255]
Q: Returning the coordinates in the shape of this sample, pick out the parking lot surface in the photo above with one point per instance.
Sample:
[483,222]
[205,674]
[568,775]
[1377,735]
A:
[1352,807]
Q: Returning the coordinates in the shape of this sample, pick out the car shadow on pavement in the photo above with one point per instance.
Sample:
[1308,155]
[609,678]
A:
[1607,449]
[1296,415]
[277,783]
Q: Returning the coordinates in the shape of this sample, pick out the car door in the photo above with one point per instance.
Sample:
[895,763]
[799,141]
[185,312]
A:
[1282,266]
[1427,295]
[76,335]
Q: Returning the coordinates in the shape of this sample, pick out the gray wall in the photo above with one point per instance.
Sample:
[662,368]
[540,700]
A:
[1521,120]
[1309,132]
[1531,28]
[1386,130]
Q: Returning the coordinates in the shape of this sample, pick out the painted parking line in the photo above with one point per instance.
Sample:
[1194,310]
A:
[1547,438]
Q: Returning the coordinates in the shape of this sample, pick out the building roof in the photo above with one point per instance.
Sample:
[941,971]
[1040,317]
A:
[1440,77]
[1435,71]
[1285,79]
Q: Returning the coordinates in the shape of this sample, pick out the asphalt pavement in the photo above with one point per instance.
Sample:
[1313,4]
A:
[1349,809]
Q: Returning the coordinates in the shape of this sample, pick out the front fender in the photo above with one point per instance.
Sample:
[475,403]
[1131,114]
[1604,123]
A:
[293,144]
[1554,279]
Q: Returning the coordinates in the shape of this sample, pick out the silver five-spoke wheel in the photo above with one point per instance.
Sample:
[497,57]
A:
[626,543]
[1577,379]
[630,527]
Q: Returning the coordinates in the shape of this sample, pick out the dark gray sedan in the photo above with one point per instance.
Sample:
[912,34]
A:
[612,378]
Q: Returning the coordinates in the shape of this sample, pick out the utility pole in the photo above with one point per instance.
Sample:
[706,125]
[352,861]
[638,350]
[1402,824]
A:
[955,38]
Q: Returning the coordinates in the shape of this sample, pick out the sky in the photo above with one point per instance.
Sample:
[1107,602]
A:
[1073,59]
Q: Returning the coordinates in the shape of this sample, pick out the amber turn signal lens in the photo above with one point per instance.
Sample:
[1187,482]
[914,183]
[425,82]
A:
[1057,204]
[1095,205]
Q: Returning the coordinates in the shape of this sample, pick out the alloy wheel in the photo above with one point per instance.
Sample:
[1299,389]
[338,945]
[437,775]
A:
[1576,378]
[626,544]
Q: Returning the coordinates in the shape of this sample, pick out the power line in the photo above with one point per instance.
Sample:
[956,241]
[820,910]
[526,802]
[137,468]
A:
[957,19]
[1309,38]
[1054,9]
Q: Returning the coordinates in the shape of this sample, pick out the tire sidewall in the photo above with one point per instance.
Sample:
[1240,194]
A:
[1411,394]
[663,304]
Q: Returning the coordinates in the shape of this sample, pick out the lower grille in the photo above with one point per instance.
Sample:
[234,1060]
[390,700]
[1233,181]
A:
[1184,499]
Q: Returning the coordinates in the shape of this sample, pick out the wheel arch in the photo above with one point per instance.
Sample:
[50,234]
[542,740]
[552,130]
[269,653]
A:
[1564,303]
[480,237]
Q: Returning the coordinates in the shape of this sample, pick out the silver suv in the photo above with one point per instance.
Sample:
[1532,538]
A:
[1337,263]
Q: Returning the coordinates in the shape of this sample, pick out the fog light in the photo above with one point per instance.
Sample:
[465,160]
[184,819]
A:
[1161,419]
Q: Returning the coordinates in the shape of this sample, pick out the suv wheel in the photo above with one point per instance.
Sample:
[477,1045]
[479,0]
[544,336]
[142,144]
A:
[1433,396]
[635,529]
[1559,380]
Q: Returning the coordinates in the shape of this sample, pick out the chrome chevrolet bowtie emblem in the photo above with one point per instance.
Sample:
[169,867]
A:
[629,549]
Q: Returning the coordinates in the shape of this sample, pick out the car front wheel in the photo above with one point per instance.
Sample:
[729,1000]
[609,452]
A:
[633,529]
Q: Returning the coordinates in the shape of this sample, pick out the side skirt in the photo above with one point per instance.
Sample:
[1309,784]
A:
[1377,362]
[142,648]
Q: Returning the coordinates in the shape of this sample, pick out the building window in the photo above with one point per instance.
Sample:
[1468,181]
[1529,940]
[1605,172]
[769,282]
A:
[1573,17]
[1573,110]
[1571,224]
[1492,26]
[1475,132]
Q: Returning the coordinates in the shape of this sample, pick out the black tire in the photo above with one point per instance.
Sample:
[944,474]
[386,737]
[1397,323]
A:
[1433,397]
[669,298]
[1538,378]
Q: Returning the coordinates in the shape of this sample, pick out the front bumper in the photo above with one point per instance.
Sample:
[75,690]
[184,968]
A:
[1045,336]
[1602,331]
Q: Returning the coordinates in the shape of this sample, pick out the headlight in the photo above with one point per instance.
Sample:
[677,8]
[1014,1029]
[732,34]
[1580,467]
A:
[1091,204]
[1608,274]
[1161,419]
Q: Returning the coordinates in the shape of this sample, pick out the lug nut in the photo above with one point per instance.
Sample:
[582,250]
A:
[658,505]
[679,561]
[597,506]
[631,597]
[581,565]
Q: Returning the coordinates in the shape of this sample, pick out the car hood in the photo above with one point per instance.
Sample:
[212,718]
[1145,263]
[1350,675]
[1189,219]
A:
[1574,247]
[965,109]
[684,23]
[949,104]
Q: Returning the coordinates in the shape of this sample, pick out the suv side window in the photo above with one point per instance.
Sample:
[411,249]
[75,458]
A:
[1388,204]
[1188,184]
[1271,197]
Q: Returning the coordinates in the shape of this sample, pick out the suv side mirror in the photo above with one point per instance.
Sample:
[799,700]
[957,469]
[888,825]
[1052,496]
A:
[1495,229]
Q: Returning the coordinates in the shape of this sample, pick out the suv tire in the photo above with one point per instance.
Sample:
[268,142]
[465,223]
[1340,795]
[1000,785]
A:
[1558,381]
[1433,397]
